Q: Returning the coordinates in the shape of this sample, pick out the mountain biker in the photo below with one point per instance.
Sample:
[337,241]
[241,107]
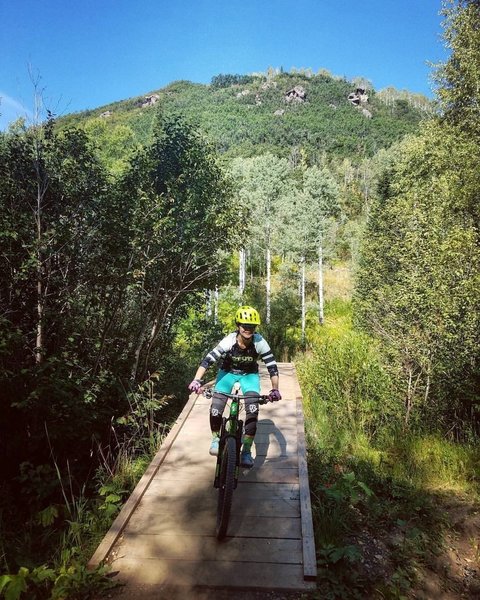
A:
[238,354]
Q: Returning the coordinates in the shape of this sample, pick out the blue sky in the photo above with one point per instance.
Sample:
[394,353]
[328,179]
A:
[87,53]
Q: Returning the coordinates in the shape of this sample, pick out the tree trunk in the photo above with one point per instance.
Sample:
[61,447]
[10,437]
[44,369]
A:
[41,188]
[209,304]
[138,349]
[302,293]
[242,271]
[320,285]
[268,286]
[215,305]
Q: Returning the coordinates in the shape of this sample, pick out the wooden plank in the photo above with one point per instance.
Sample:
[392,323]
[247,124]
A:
[223,574]
[268,526]
[264,427]
[309,555]
[184,488]
[178,509]
[259,490]
[189,547]
[287,442]
[271,473]
[267,508]
[203,523]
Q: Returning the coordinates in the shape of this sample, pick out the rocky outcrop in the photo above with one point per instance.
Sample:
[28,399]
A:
[296,94]
[149,100]
[359,96]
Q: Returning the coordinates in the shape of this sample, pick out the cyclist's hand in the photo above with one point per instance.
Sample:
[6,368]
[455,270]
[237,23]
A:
[195,386]
[274,395]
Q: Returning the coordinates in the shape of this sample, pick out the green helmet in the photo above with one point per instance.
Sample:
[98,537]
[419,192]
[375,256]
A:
[247,315]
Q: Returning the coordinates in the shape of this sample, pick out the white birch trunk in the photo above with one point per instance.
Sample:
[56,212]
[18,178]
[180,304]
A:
[215,305]
[303,299]
[242,270]
[268,286]
[320,285]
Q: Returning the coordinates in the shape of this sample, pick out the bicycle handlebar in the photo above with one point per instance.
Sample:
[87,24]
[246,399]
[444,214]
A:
[263,398]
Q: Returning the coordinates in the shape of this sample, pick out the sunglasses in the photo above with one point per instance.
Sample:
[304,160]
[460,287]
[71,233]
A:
[247,326]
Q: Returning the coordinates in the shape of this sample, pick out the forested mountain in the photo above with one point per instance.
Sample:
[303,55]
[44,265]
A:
[247,115]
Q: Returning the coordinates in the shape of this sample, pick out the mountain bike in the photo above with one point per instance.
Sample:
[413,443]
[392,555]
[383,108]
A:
[228,459]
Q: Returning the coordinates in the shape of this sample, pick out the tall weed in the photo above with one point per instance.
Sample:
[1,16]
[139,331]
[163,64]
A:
[342,376]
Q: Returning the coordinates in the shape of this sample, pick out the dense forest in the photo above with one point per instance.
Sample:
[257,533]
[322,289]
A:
[349,216]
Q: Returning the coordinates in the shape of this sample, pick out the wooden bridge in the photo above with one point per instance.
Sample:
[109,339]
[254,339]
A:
[164,537]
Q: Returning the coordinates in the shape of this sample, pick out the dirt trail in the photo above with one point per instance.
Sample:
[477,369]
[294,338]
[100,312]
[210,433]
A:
[455,573]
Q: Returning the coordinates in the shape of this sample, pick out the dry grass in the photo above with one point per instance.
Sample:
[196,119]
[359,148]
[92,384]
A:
[337,281]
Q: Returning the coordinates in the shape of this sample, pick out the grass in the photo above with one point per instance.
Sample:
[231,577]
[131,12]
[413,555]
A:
[375,486]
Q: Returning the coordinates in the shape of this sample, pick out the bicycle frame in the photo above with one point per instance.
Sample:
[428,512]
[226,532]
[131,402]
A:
[232,426]
[228,459]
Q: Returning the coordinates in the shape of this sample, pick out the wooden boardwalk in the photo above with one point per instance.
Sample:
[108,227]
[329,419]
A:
[164,536]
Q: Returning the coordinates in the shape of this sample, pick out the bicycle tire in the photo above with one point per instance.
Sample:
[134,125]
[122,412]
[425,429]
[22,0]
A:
[227,485]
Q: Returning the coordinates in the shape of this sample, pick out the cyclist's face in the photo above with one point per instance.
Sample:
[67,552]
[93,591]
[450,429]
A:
[246,330]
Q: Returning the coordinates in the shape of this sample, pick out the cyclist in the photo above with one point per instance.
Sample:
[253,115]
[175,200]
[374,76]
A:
[237,355]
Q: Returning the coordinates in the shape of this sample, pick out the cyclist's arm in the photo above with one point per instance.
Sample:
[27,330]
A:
[200,373]
[274,381]
[266,355]
[215,355]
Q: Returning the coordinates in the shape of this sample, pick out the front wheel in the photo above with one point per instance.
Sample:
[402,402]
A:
[227,485]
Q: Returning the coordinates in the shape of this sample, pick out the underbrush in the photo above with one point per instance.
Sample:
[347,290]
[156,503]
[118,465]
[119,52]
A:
[377,489]
[48,553]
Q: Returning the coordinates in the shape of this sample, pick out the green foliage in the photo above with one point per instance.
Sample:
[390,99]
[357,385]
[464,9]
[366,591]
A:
[344,374]
[114,145]
[180,201]
[90,285]
[458,79]
[222,81]
[417,285]
[375,491]
[112,500]
[112,237]
[43,583]
[312,207]
[283,332]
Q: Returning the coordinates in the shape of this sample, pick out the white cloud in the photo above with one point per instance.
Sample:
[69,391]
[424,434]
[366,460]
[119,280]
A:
[11,110]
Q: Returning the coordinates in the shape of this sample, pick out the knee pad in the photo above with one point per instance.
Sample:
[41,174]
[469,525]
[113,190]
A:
[251,411]
[216,410]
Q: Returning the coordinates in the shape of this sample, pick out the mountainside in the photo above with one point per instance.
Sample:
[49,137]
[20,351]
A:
[276,111]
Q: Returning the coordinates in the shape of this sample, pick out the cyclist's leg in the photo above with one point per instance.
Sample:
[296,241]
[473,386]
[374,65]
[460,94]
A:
[251,388]
[217,407]
[223,385]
